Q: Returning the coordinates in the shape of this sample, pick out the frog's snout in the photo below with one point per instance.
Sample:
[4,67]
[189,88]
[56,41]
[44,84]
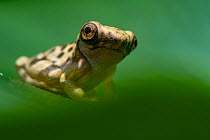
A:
[131,41]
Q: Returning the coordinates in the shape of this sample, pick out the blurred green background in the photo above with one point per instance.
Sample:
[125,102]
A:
[163,87]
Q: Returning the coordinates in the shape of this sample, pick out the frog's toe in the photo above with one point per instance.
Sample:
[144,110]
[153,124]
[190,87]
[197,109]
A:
[21,61]
[22,73]
[79,95]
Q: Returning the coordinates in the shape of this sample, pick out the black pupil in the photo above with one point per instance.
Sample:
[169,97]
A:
[87,30]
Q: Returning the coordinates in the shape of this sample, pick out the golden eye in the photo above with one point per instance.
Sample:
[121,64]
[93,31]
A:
[89,32]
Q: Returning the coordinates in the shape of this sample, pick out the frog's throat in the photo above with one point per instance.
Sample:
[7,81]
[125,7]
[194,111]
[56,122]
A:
[98,62]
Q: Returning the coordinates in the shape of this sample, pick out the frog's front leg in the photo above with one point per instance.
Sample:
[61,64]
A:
[74,92]
[109,88]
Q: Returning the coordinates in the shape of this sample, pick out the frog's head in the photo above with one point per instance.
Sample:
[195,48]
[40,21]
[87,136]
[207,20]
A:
[105,46]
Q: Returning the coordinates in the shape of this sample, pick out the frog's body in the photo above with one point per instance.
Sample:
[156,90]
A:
[77,68]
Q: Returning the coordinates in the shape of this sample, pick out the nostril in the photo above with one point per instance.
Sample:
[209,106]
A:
[135,42]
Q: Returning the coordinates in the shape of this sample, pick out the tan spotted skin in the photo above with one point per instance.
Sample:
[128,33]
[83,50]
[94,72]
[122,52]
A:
[75,69]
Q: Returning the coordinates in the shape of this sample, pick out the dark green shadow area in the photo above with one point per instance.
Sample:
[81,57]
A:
[163,87]
[169,110]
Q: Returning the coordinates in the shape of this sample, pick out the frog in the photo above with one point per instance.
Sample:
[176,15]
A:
[75,70]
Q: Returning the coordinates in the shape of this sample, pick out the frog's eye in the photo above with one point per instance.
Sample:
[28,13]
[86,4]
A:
[89,32]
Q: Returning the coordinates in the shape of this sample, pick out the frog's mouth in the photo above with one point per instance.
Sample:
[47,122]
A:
[123,53]
[102,47]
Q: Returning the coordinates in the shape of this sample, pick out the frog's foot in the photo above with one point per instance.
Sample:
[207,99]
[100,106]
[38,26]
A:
[79,95]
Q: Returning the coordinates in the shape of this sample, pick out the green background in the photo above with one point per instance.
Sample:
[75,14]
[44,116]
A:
[163,87]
